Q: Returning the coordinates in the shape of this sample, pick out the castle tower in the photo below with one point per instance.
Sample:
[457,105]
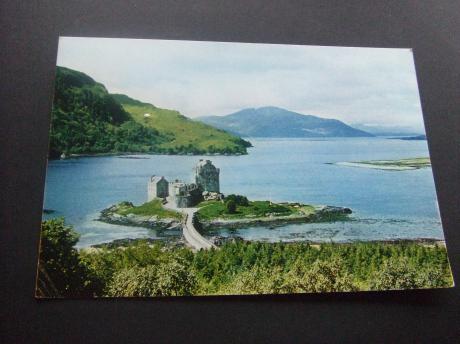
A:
[207,176]
[157,188]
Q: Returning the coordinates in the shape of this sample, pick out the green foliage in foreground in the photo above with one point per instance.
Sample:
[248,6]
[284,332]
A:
[60,264]
[241,268]
[154,207]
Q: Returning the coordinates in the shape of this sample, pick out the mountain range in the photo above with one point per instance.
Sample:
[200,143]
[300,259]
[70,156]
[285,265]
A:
[273,121]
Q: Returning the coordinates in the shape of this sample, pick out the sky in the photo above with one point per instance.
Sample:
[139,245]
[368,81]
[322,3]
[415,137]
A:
[372,86]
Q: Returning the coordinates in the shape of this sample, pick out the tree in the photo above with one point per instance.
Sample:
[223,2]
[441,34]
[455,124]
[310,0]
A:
[60,262]
[257,280]
[231,206]
[238,199]
[398,273]
[321,277]
[173,277]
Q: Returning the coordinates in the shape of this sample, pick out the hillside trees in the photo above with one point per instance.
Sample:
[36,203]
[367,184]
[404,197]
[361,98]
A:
[401,274]
[158,269]
[170,278]
[60,261]
[86,119]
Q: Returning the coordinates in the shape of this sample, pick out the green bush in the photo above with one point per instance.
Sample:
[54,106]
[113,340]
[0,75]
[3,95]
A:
[170,278]
[320,277]
[399,273]
[230,206]
[238,199]
[60,261]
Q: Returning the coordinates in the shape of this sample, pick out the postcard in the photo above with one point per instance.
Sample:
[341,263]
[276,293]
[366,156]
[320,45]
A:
[180,168]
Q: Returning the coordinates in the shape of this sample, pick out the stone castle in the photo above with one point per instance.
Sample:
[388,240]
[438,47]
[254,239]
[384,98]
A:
[184,195]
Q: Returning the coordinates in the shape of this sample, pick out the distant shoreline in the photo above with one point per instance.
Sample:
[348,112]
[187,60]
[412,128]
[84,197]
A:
[124,154]
[389,165]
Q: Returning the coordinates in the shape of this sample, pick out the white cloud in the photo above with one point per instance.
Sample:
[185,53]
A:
[367,85]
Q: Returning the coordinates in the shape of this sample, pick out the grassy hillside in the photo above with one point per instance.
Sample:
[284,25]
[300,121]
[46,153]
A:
[186,135]
[86,119]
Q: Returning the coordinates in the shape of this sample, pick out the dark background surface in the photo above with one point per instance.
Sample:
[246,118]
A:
[29,36]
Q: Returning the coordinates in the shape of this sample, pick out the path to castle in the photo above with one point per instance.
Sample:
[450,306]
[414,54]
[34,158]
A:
[191,235]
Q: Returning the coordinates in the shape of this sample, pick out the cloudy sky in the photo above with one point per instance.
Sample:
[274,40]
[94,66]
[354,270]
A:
[371,86]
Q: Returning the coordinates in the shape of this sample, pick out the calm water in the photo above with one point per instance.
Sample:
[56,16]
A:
[385,204]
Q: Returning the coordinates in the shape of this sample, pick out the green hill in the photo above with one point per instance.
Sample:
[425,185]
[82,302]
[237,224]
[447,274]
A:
[271,121]
[186,135]
[86,119]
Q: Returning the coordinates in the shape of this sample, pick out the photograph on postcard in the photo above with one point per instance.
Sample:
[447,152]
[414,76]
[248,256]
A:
[180,168]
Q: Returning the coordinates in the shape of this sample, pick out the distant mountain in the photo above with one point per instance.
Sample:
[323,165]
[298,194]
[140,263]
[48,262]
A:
[276,122]
[387,130]
[86,119]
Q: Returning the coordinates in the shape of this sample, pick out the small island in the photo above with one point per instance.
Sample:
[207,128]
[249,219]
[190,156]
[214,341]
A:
[222,214]
[200,206]
[237,211]
[410,138]
[390,165]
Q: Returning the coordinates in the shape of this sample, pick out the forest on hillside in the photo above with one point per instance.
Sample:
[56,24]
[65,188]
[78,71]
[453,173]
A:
[86,119]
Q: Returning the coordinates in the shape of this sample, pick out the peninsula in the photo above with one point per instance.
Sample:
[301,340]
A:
[390,165]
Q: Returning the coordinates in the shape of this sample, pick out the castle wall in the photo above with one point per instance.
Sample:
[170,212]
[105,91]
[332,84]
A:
[151,191]
[190,196]
[157,189]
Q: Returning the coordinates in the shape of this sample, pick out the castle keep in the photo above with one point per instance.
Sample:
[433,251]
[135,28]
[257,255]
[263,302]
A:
[185,195]
[207,176]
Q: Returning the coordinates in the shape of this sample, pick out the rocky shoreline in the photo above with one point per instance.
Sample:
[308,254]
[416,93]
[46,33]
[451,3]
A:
[110,215]
[124,154]
[322,214]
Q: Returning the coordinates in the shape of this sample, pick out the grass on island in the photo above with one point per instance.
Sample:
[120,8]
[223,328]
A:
[211,210]
[410,163]
[152,208]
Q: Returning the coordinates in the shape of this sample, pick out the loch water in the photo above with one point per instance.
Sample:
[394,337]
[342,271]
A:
[386,205]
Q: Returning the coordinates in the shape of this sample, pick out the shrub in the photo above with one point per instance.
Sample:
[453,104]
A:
[170,278]
[231,206]
[238,199]
[398,273]
[60,262]
[322,276]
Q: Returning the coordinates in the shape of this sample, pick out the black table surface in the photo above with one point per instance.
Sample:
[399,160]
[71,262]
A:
[29,37]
